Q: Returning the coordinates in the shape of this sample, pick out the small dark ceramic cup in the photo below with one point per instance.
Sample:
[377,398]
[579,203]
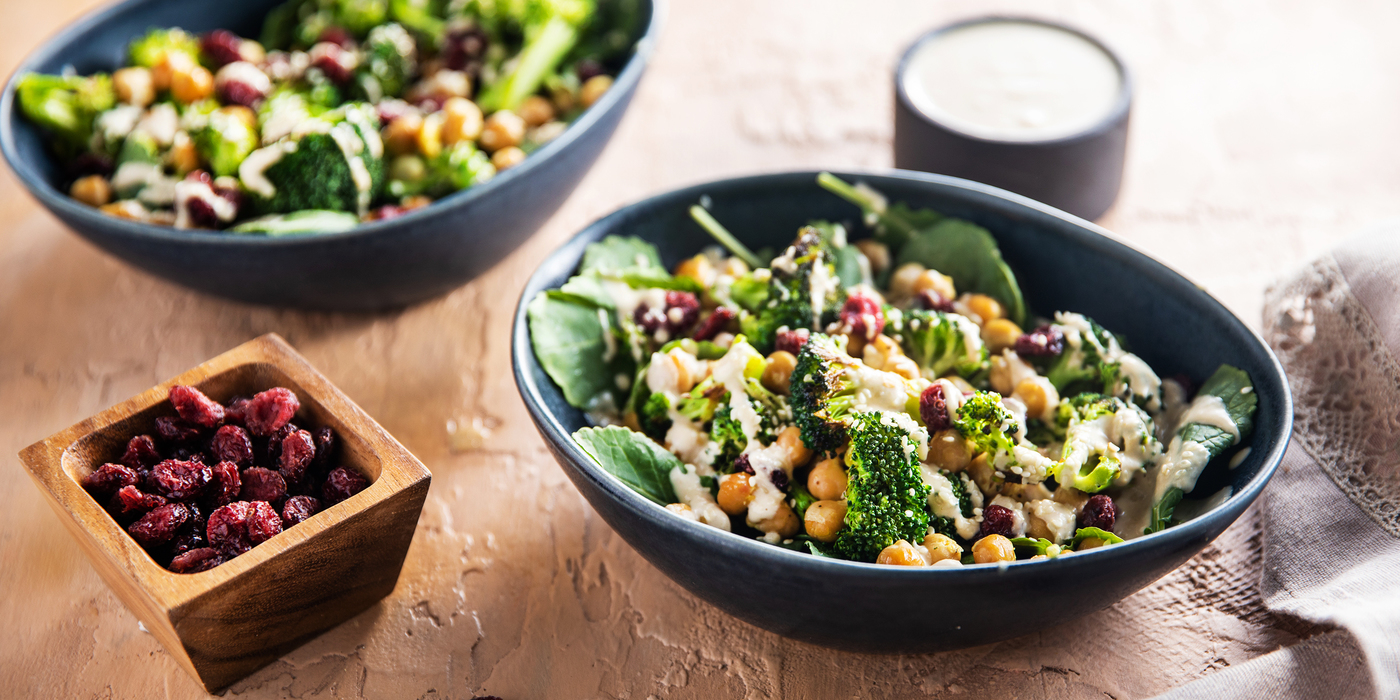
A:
[1079,173]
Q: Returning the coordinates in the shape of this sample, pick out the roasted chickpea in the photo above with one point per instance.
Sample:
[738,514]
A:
[984,306]
[563,98]
[593,88]
[188,87]
[1089,543]
[785,522]
[401,136]
[1039,396]
[823,519]
[134,86]
[1071,496]
[878,352]
[734,267]
[777,375]
[126,209]
[855,344]
[536,110]
[1036,527]
[980,469]
[183,156]
[942,547]
[948,450]
[901,553]
[241,113]
[408,168]
[827,480]
[507,158]
[999,376]
[417,201]
[1000,334]
[735,493]
[876,252]
[93,190]
[502,130]
[992,549]
[902,281]
[698,268]
[791,442]
[935,281]
[462,121]
[163,72]
[430,135]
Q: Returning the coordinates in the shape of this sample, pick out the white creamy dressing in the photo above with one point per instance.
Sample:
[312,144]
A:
[158,192]
[729,372]
[1013,80]
[952,398]
[160,123]
[787,262]
[1020,371]
[877,390]
[187,190]
[283,115]
[114,124]
[252,172]
[1060,518]
[609,341]
[1240,457]
[944,503]
[626,300]
[971,336]
[1190,510]
[1018,511]
[1030,464]
[134,175]
[767,497]
[1181,466]
[243,72]
[351,146]
[1140,379]
[1209,409]
[691,492]
[821,283]
[1125,435]
[919,442]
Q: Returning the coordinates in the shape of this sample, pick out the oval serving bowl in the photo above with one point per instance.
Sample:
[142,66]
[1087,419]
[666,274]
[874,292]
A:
[377,265]
[1169,321]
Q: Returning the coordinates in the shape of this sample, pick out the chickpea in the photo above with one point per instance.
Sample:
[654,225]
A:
[1025,493]
[502,130]
[992,549]
[252,52]
[93,190]
[1036,527]
[417,201]
[1039,396]
[163,72]
[192,86]
[902,281]
[1089,543]
[877,253]
[698,268]
[855,345]
[903,366]
[984,306]
[827,481]
[593,89]
[791,442]
[1000,334]
[683,510]
[777,375]
[563,98]
[408,168]
[823,520]
[980,469]
[134,86]
[183,156]
[536,110]
[734,267]
[126,209]
[669,371]
[735,493]
[942,547]
[507,158]
[999,376]
[879,351]
[949,450]
[785,522]
[462,121]
[430,135]
[901,553]
[401,136]
[935,281]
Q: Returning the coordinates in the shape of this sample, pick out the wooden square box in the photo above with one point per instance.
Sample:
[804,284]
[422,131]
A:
[224,623]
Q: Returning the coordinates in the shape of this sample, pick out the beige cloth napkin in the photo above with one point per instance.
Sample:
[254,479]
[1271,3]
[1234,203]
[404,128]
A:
[1332,512]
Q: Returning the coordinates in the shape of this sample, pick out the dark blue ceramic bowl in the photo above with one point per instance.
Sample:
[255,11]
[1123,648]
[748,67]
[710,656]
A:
[374,266]
[1169,321]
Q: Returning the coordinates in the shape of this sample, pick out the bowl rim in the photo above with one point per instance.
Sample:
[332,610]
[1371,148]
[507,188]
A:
[523,360]
[61,204]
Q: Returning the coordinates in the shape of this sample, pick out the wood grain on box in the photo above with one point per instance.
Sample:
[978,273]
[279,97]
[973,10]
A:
[223,624]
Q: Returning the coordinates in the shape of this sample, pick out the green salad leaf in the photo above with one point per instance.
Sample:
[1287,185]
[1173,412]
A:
[570,341]
[616,254]
[1085,533]
[1035,545]
[635,460]
[967,253]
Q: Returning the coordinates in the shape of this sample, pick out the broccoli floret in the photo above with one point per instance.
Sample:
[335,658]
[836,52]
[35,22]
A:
[987,424]
[152,48]
[422,17]
[945,525]
[1082,366]
[773,411]
[360,16]
[806,265]
[455,168]
[654,416]
[941,343]
[339,170]
[727,434]
[66,105]
[550,28]
[828,387]
[1099,445]
[886,497]
[225,141]
[390,60]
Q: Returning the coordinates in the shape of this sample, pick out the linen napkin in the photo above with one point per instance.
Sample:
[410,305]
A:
[1331,515]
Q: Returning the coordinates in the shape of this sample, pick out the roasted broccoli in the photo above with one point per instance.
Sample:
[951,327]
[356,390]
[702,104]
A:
[829,387]
[741,370]
[458,167]
[987,424]
[1098,440]
[550,29]
[1084,365]
[886,497]
[390,61]
[802,275]
[66,105]
[341,169]
[152,48]
[654,416]
[941,342]
[225,141]
[944,522]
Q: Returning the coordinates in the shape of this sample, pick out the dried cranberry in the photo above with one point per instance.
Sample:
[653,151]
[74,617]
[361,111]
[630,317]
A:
[742,464]
[681,311]
[172,429]
[237,92]
[182,480]
[192,538]
[387,212]
[221,47]
[588,68]
[792,341]
[270,410]
[337,63]
[779,478]
[1100,512]
[933,409]
[232,444]
[325,444]
[202,213]
[236,411]
[1045,341]
[198,175]
[196,408]
[391,109]
[263,522]
[862,316]
[130,499]
[341,484]
[161,525]
[340,36]
[228,528]
[262,485]
[464,48]
[187,453]
[108,478]
[298,449]
[713,324]
[227,484]
[140,452]
[196,560]
[298,508]
[997,520]
[933,301]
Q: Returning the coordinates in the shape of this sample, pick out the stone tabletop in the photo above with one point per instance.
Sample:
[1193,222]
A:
[1262,133]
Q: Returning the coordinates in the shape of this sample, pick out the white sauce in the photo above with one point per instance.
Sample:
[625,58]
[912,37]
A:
[160,123]
[1058,517]
[952,397]
[821,283]
[1013,81]
[971,335]
[114,124]
[691,492]
[1210,410]
[729,372]
[1018,523]
[243,72]
[187,190]
[284,113]
[134,175]
[1140,380]
[944,503]
[252,171]
[351,146]
[609,341]
[1240,457]
[1181,466]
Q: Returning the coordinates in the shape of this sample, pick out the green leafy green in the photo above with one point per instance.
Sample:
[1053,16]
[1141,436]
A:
[636,461]
[619,253]
[1162,511]
[570,342]
[1035,545]
[305,221]
[1085,533]
[967,253]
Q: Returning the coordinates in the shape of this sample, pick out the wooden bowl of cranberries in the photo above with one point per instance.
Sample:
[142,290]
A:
[248,474]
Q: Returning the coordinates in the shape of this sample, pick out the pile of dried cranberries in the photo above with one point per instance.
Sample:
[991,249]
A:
[216,480]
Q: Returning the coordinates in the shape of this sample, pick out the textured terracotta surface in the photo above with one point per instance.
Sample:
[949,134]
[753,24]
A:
[1262,133]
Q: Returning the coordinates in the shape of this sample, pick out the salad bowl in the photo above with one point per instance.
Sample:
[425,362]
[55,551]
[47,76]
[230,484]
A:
[1062,263]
